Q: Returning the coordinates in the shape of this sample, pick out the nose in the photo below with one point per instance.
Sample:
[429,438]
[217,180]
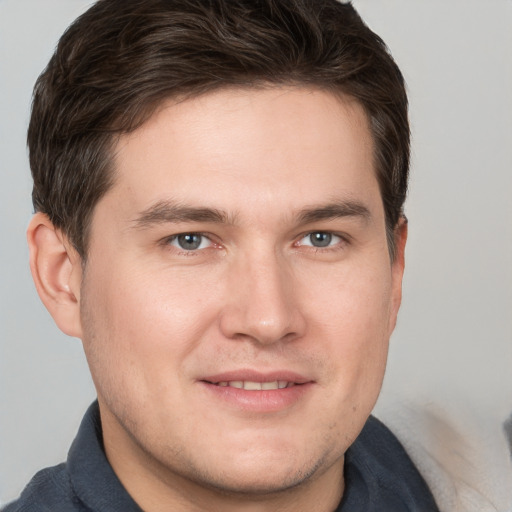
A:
[263,305]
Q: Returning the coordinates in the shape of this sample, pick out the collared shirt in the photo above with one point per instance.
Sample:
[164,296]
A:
[379,477]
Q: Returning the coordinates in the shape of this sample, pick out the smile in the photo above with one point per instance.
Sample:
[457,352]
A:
[258,392]
[256,386]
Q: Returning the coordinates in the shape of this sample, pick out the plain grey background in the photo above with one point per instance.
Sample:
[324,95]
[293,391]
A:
[453,343]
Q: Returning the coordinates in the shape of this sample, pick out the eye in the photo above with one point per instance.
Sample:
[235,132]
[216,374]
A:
[320,239]
[190,241]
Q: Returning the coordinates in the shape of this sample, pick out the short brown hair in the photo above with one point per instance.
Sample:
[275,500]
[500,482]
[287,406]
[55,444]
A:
[119,60]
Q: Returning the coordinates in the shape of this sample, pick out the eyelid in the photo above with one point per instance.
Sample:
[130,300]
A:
[167,241]
[341,239]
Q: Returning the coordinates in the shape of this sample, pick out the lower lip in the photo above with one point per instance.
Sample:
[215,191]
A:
[259,401]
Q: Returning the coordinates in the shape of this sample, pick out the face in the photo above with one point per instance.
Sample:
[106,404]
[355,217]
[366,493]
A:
[238,295]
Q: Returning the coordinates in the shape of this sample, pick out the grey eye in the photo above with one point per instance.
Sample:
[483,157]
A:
[189,241]
[320,239]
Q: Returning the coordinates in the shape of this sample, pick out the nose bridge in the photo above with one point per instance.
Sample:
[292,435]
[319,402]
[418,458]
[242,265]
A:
[263,305]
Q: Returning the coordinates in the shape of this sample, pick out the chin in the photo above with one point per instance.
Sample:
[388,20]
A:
[259,474]
[258,481]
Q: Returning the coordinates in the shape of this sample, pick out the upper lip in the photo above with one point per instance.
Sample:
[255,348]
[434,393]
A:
[257,376]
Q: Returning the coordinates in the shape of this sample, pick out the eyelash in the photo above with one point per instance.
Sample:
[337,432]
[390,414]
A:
[188,252]
[340,244]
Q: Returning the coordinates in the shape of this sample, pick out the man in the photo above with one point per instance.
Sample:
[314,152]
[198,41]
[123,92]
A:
[218,190]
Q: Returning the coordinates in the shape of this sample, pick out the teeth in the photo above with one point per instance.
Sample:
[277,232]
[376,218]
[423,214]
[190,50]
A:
[257,386]
[252,386]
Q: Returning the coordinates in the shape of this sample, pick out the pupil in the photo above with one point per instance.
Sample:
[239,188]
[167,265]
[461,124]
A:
[320,239]
[189,242]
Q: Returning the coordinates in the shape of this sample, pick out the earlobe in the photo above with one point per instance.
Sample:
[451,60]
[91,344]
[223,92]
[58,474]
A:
[56,270]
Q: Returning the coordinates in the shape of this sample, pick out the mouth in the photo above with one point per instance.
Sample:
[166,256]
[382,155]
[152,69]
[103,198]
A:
[253,380]
[249,385]
[256,391]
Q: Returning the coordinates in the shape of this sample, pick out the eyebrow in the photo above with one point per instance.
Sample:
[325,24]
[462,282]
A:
[334,210]
[164,212]
[168,211]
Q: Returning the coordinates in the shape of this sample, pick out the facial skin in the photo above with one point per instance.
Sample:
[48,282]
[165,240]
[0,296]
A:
[288,278]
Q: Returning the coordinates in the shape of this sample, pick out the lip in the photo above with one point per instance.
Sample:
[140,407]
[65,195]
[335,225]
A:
[261,401]
[257,376]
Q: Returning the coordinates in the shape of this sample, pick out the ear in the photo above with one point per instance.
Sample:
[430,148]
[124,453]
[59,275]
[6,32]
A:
[397,269]
[57,272]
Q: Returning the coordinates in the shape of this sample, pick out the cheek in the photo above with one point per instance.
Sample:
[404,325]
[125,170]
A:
[144,310]
[144,328]
[352,318]
[139,329]
[353,300]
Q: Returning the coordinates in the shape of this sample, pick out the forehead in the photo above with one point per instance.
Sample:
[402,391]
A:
[260,145]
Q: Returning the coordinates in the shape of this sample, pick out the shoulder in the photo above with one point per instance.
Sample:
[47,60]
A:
[49,490]
[379,451]
[379,474]
[379,445]
[85,483]
[373,432]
